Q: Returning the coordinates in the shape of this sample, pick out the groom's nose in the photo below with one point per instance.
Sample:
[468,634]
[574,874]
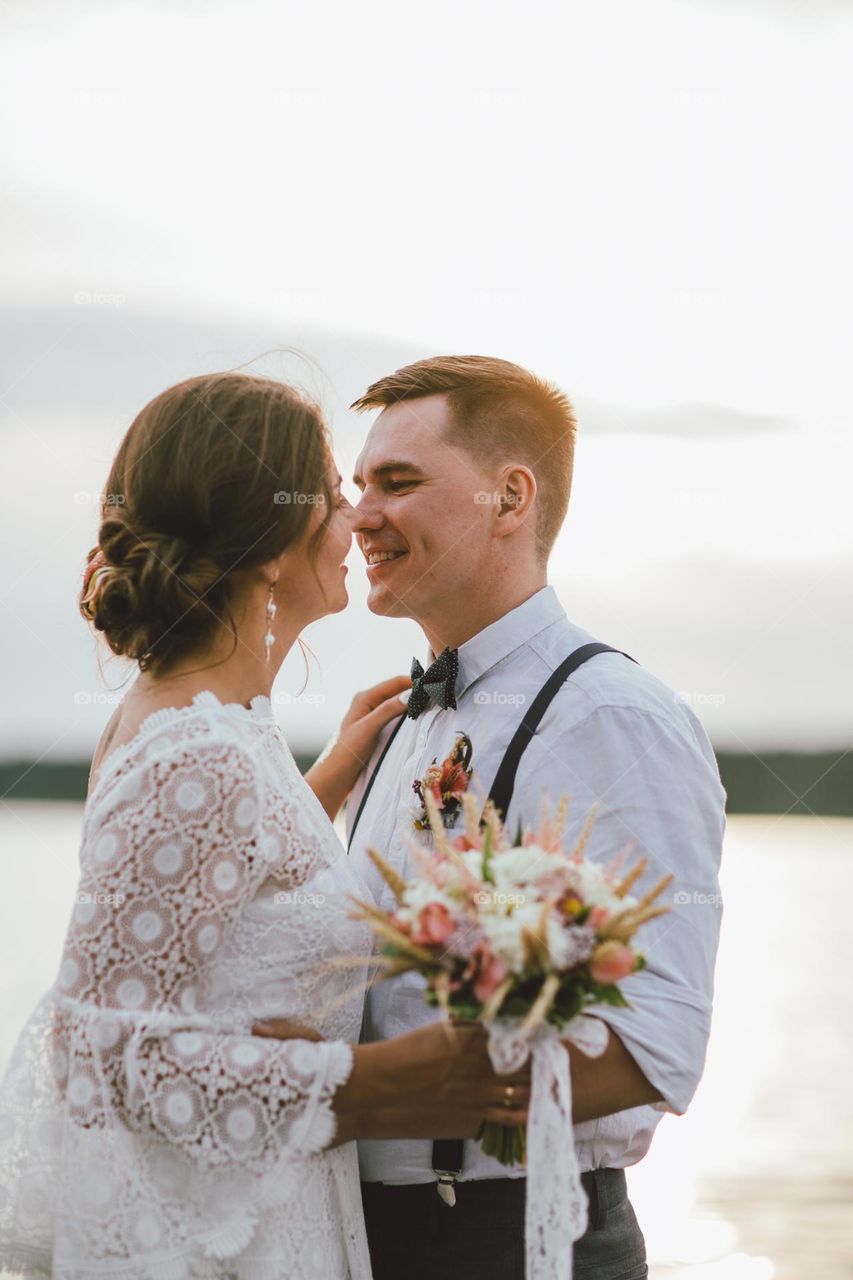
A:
[366,516]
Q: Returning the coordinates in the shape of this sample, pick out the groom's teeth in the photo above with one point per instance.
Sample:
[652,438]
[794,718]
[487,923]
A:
[376,557]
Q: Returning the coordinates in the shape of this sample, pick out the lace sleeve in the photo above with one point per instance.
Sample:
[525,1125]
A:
[168,863]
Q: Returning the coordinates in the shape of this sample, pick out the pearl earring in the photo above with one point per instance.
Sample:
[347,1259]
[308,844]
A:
[269,638]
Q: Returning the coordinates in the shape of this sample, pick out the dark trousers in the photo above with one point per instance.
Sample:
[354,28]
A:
[413,1235]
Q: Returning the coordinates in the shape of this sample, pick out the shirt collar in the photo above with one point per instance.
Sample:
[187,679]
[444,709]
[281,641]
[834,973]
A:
[502,637]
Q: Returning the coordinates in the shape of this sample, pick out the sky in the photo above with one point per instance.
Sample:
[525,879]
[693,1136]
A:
[648,202]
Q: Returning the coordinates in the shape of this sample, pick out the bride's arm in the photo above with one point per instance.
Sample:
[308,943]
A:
[434,1082]
[174,851]
[335,772]
[181,846]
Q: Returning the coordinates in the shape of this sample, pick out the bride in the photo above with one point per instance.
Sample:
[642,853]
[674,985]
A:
[184,1100]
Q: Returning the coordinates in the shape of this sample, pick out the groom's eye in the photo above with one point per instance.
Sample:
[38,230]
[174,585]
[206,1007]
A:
[396,485]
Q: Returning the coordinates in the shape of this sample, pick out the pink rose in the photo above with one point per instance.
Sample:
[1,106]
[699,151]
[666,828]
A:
[487,970]
[597,917]
[464,843]
[611,962]
[435,924]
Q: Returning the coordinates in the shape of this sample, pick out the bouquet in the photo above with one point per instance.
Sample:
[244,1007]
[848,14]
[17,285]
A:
[523,936]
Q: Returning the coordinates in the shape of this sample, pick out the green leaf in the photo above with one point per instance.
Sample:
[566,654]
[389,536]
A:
[469,1012]
[488,875]
[569,1001]
[608,993]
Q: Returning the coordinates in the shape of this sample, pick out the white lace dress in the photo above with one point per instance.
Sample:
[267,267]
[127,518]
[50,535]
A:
[144,1132]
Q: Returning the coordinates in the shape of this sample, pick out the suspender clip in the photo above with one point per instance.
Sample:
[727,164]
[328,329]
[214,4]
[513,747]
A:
[445,1186]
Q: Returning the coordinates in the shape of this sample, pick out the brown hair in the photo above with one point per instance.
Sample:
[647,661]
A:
[500,410]
[204,485]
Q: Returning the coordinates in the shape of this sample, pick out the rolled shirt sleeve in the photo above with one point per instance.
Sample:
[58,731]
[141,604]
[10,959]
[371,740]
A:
[655,781]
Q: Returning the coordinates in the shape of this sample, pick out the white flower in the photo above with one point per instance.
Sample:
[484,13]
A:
[521,865]
[419,894]
[504,935]
[472,860]
[590,881]
[569,945]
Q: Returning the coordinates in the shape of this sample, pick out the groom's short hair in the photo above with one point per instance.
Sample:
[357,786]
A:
[498,410]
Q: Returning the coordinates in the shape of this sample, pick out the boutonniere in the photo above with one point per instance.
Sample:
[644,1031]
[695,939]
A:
[447,781]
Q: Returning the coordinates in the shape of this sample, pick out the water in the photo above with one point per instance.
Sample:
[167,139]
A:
[756,1181]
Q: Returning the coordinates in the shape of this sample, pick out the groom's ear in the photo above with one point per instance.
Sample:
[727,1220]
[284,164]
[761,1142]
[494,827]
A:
[516,493]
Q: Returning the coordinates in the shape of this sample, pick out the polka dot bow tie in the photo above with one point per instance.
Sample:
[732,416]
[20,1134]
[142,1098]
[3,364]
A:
[436,685]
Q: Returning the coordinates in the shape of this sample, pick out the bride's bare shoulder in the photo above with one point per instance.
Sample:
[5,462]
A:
[107,740]
[120,729]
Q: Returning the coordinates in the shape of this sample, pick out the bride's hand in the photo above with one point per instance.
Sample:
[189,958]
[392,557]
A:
[333,776]
[281,1029]
[369,712]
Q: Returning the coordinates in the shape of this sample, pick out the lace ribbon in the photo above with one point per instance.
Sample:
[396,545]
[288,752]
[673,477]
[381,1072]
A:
[556,1208]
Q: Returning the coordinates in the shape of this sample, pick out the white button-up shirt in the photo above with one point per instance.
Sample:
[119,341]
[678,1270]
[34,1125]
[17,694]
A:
[614,735]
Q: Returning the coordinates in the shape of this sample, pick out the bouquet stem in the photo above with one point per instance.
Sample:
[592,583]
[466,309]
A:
[507,1143]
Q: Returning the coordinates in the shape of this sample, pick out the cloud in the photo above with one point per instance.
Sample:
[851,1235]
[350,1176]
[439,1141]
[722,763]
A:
[99,356]
[685,420]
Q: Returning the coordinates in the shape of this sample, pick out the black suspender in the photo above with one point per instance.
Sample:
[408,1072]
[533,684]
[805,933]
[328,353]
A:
[391,736]
[447,1152]
[504,783]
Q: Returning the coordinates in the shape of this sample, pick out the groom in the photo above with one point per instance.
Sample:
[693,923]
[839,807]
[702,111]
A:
[465,479]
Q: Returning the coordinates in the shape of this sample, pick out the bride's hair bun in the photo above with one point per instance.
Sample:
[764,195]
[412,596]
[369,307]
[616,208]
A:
[145,584]
[201,489]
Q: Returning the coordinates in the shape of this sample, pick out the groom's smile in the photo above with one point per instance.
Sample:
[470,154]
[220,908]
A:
[379,559]
[412,499]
